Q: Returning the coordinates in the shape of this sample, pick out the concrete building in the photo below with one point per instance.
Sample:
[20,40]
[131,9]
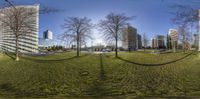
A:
[161,41]
[154,44]
[139,41]
[48,34]
[172,35]
[158,42]
[27,43]
[129,38]
[169,42]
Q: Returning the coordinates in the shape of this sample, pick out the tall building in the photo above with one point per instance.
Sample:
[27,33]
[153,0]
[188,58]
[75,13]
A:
[27,43]
[169,42]
[161,41]
[48,34]
[139,41]
[154,43]
[172,34]
[158,42]
[129,36]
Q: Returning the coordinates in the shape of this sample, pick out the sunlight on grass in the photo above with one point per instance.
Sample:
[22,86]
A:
[65,75]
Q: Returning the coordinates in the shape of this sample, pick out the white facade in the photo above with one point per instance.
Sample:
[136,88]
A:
[27,43]
[173,34]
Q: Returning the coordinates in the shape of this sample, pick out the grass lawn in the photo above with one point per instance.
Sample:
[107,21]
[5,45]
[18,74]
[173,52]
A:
[134,74]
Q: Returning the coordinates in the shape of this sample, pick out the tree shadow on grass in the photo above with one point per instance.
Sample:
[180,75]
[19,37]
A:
[163,97]
[102,71]
[6,87]
[10,55]
[161,64]
[98,87]
[7,90]
[54,60]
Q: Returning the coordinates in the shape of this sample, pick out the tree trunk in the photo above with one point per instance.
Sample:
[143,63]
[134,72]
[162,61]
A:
[17,48]
[184,43]
[77,48]
[80,45]
[116,46]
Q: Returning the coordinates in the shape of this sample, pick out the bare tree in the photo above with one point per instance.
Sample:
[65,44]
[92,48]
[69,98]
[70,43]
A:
[185,17]
[78,29]
[19,21]
[185,36]
[47,10]
[65,40]
[112,28]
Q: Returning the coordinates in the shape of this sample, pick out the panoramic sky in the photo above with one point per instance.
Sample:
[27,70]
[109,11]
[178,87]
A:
[152,16]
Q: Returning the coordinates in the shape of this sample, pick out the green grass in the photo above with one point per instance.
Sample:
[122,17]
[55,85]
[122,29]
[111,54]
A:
[64,75]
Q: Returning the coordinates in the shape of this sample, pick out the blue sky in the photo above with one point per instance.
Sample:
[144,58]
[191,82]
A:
[152,16]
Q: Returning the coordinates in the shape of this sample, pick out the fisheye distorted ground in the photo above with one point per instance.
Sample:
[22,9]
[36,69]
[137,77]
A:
[138,74]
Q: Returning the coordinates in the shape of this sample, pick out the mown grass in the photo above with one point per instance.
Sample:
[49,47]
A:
[64,75]
[176,79]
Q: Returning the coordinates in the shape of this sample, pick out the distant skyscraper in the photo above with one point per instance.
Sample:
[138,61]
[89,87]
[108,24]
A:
[129,38]
[139,41]
[169,42]
[161,41]
[154,43]
[48,34]
[47,40]
[158,42]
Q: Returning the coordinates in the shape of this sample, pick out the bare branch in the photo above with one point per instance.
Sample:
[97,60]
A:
[47,10]
[18,22]
[112,27]
[77,29]
[185,17]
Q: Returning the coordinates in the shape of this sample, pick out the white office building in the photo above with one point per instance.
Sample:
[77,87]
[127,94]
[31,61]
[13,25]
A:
[130,38]
[27,43]
[48,35]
